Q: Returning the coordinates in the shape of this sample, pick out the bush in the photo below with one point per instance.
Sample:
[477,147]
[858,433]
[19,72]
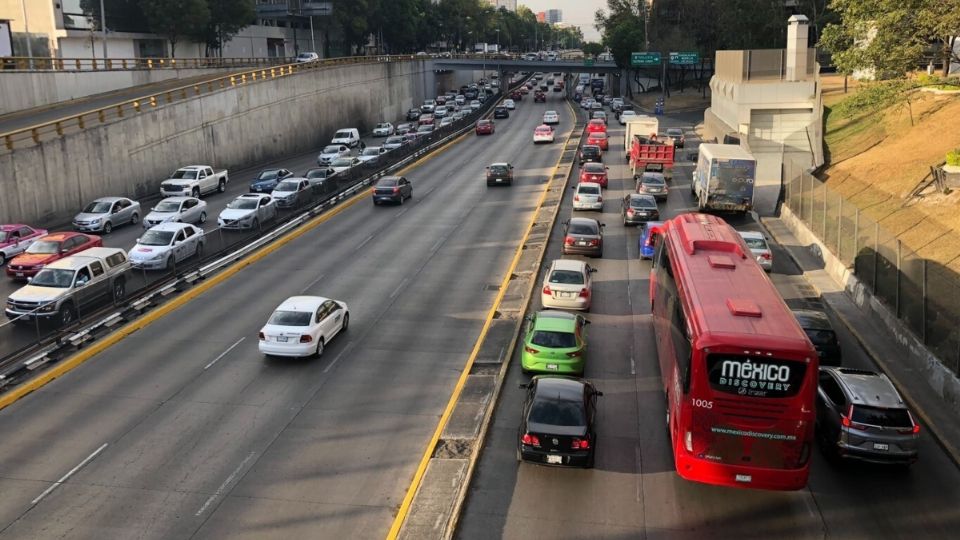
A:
[953,157]
[873,97]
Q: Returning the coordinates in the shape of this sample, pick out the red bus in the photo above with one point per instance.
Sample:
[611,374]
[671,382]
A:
[740,376]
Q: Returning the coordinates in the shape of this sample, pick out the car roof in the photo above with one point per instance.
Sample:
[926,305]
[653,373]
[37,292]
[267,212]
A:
[588,184]
[558,321]
[867,387]
[598,135]
[752,235]
[569,264]
[169,226]
[500,164]
[59,236]
[643,196]
[180,198]
[585,220]
[262,195]
[561,388]
[812,319]
[13,226]
[109,199]
[302,303]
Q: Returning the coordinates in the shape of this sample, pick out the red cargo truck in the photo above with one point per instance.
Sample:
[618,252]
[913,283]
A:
[650,154]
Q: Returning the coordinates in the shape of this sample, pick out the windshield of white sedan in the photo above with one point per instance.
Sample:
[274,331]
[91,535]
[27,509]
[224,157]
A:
[167,206]
[342,162]
[331,150]
[53,277]
[555,340]
[290,318]
[243,204]
[97,208]
[156,238]
[566,277]
[44,247]
[555,412]
[287,186]
[372,151]
[755,243]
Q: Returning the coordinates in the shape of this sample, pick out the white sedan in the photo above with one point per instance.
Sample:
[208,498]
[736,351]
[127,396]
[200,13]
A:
[177,209]
[248,211]
[760,249]
[165,245]
[371,153]
[332,152]
[383,129]
[344,163]
[627,116]
[568,285]
[509,104]
[543,134]
[303,326]
[551,117]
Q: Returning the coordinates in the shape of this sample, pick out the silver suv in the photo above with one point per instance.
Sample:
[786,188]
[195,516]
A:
[861,416]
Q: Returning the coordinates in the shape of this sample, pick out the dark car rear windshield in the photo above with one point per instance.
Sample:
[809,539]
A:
[591,150]
[498,169]
[821,337]
[652,180]
[874,416]
[387,182]
[582,228]
[642,202]
[555,340]
[555,412]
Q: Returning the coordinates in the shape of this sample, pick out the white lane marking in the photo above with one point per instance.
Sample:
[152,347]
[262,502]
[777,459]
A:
[69,474]
[399,288]
[369,238]
[402,212]
[312,283]
[343,352]
[225,483]
[224,353]
[633,367]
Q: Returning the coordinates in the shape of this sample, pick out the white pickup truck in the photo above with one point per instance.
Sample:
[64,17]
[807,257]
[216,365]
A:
[194,181]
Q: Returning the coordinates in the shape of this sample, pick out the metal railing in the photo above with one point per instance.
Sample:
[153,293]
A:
[25,63]
[35,134]
[924,294]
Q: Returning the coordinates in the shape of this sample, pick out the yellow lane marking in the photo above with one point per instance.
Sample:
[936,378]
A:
[455,396]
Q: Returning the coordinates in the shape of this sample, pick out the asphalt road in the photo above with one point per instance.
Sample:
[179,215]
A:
[634,491]
[184,430]
[14,337]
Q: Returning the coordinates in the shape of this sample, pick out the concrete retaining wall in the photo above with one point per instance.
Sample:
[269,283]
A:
[47,184]
[25,89]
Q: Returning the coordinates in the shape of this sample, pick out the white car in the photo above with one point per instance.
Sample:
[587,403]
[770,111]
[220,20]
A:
[303,326]
[332,152]
[307,57]
[441,111]
[627,116]
[587,196]
[568,284]
[383,129]
[166,245]
[543,134]
[248,211]
[447,120]
[428,106]
[371,153]
[509,104]
[551,117]
[460,100]
[344,163]
[475,104]
[177,209]
[760,249]
[393,142]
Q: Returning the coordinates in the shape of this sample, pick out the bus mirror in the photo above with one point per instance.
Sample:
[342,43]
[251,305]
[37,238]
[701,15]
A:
[598,393]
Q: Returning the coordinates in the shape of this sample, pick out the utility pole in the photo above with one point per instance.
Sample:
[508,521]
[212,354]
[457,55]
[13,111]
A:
[646,24]
[26,30]
[313,39]
[103,30]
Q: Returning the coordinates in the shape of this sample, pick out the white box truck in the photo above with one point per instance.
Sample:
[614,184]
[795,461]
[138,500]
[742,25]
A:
[724,178]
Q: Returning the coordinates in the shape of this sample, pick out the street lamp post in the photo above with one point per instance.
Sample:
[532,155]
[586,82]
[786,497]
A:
[26,30]
[103,30]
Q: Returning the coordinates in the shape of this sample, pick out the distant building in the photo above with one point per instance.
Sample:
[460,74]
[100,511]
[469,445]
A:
[541,16]
[510,5]
[554,16]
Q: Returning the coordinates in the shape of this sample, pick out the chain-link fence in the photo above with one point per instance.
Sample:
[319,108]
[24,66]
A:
[924,294]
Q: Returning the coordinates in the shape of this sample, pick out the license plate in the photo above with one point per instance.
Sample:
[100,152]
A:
[281,339]
[551,366]
[19,274]
[555,459]
[881,446]
[566,295]
[583,243]
[746,478]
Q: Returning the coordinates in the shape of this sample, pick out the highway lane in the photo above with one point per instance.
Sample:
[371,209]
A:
[15,337]
[183,429]
[634,491]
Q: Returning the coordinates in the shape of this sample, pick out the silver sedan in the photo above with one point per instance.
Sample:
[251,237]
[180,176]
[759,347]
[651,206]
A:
[105,213]
[248,211]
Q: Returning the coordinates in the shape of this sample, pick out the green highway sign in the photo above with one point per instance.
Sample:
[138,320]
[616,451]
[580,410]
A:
[588,61]
[684,58]
[645,59]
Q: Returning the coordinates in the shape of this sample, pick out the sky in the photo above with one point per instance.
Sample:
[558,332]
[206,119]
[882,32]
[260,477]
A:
[576,12]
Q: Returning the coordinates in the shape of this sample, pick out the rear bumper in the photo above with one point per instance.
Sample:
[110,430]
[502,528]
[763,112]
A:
[638,219]
[293,350]
[577,302]
[577,205]
[568,459]
[387,198]
[539,365]
[590,251]
[870,456]
[88,227]
[708,472]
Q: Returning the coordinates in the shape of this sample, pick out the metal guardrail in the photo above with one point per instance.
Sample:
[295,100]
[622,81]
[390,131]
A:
[26,63]
[33,135]
[222,247]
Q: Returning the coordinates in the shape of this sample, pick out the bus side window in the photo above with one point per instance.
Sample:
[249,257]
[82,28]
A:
[657,249]
[665,258]
[681,343]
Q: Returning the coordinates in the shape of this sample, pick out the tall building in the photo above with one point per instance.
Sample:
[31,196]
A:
[554,16]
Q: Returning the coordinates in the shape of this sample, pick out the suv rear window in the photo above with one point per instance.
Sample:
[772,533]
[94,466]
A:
[875,416]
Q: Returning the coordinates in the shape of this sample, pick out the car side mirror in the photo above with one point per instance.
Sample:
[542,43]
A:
[524,386]
[598,393]
[603,224]
[593,270]
[586,322]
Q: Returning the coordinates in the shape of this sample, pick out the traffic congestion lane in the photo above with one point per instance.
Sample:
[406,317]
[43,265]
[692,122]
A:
[187,410]
[14,337]
[634,490]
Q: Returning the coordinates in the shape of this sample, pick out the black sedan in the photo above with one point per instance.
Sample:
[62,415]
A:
[583,236]
[557,423]
[590,152]
[501,112]
[817,326]
[392,189]
[636,208]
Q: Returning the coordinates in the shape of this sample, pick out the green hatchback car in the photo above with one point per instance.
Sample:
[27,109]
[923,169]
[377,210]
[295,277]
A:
[555,342]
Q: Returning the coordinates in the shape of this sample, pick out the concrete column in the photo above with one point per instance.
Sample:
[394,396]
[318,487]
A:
[797,26]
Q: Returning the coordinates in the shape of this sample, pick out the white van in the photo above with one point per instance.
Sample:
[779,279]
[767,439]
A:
[347,136]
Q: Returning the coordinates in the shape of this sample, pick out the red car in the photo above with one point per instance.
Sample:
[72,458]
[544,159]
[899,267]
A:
[539,97]
[48,249]
[596,125]
[516,95]
[600,139]
[594,172]
[485,127]
[425,119]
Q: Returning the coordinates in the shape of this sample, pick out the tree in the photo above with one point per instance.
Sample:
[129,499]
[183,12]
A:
[175,19]
[592,49]
[227,17]
[122,15]
[351,17]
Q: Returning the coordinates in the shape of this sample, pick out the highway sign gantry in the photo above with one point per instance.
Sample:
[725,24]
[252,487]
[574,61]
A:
[684,58]
[645,59]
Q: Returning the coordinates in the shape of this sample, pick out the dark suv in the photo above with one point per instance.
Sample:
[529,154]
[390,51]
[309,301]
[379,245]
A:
[861,416]
[500,173]
[821,333]
[590,152]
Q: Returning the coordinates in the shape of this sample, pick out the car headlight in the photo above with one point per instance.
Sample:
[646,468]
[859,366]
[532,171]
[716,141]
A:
[48,308]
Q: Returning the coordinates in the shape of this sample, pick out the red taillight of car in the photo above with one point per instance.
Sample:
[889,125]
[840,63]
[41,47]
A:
[530,440]
[546,290]
[568,240]
[396,190]
[914,430]
[576,197]
[765,256]
[584,293]
[594,242]
[261,336]
[580,444]
[306,338]
[630,211]
[530,350]
[599,199]
[848,423]
[575,354]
